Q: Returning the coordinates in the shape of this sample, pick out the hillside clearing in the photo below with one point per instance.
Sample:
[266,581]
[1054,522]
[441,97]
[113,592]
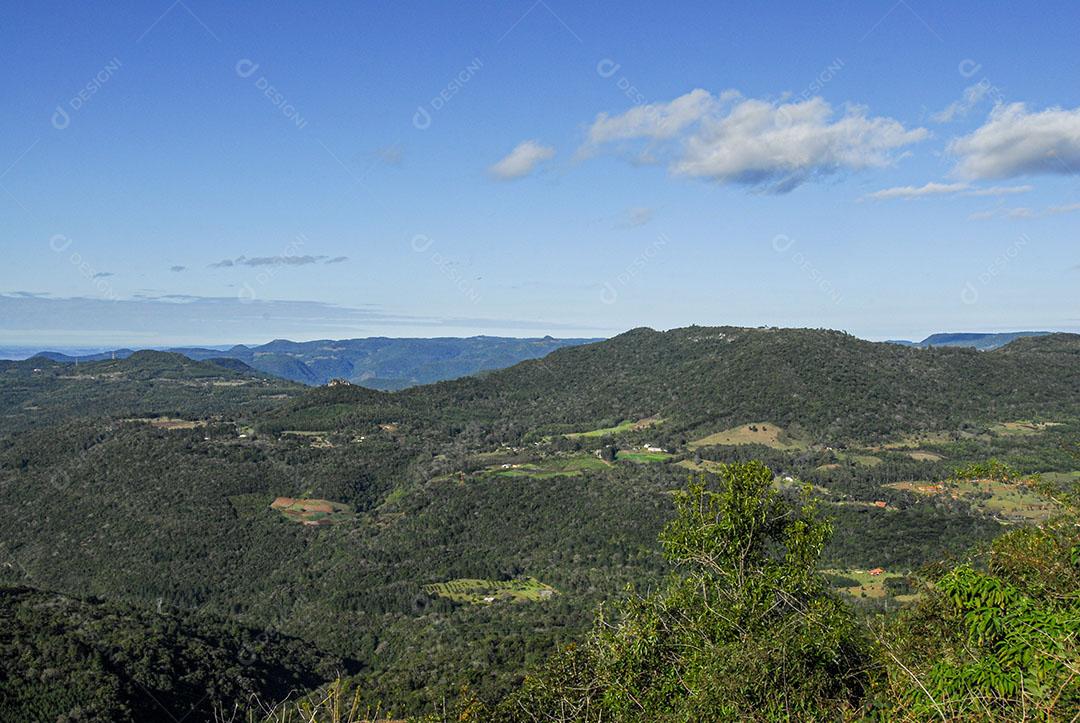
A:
[311,511]
[627,426]
[484,592]
[764,433]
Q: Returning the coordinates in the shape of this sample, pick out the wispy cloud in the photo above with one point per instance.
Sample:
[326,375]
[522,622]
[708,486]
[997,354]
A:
[769,145]
[520,162]
[177,269]
[943,189]
[275,261]
[958,109]
[102,275]
[998,190]
[1025,212]
[637,216]
[391,155]
[908,192]
[178,318]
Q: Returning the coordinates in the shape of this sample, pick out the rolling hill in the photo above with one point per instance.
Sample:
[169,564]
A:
[377,362]
[530,477]
[981,341]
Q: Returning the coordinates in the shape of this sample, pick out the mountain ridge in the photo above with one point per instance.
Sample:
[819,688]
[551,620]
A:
[378,362]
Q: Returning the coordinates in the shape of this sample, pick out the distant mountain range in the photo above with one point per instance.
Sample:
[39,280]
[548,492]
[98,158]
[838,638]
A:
[983,342]
[391,364]
[377,362]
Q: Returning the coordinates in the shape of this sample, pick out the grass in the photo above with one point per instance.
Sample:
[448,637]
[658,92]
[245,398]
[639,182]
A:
[317,439]
[765,433]
[1010,501]
[865,460]
[1021,428]
[627,426]
[553,467]
[705,465]
[643,457]
[1062,477]
[918,440]
[871,586]
[312,511]
[920,455]
[485,592]
[169,422]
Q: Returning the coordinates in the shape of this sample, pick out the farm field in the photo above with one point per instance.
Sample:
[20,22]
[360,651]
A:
[642,456]
[1022,428]
[627,426]
[1011,501]
[316,439]
[915,441]
[765,433]
[920,455]
[312,512]
[868,585]
[552,467]
[169,422]
[705,465]
[1062,477]
[866,460]
[485,592]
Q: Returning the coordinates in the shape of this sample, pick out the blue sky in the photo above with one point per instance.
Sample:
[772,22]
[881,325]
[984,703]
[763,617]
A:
[211,173]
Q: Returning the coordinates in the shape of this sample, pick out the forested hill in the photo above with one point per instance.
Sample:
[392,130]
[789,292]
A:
[832,384]
[458,533]
[39,391]
[983,342]
[120,663]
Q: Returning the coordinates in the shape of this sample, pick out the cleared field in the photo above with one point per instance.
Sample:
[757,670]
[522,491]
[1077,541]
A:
[1010,501]
[866,460]
[553,467]
[316,439]
[311,511]
[1022,428]
[705,465]
[169,422]
[642,456]
[918,440]
[765,433]
[627,426]
[1062,477]
[920,455]
[485,592]
[867,585]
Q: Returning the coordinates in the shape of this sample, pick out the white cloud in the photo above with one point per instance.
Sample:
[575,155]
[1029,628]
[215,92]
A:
[930,189]
[270,261]
[1024,212]
[521,161]
[998,190]
[638,216]
[656,120]
[767,144]
[1068,208]
[1016,142]
[944,189]
[959,108]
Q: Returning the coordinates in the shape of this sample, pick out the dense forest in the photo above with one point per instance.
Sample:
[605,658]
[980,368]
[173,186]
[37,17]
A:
[147,493]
